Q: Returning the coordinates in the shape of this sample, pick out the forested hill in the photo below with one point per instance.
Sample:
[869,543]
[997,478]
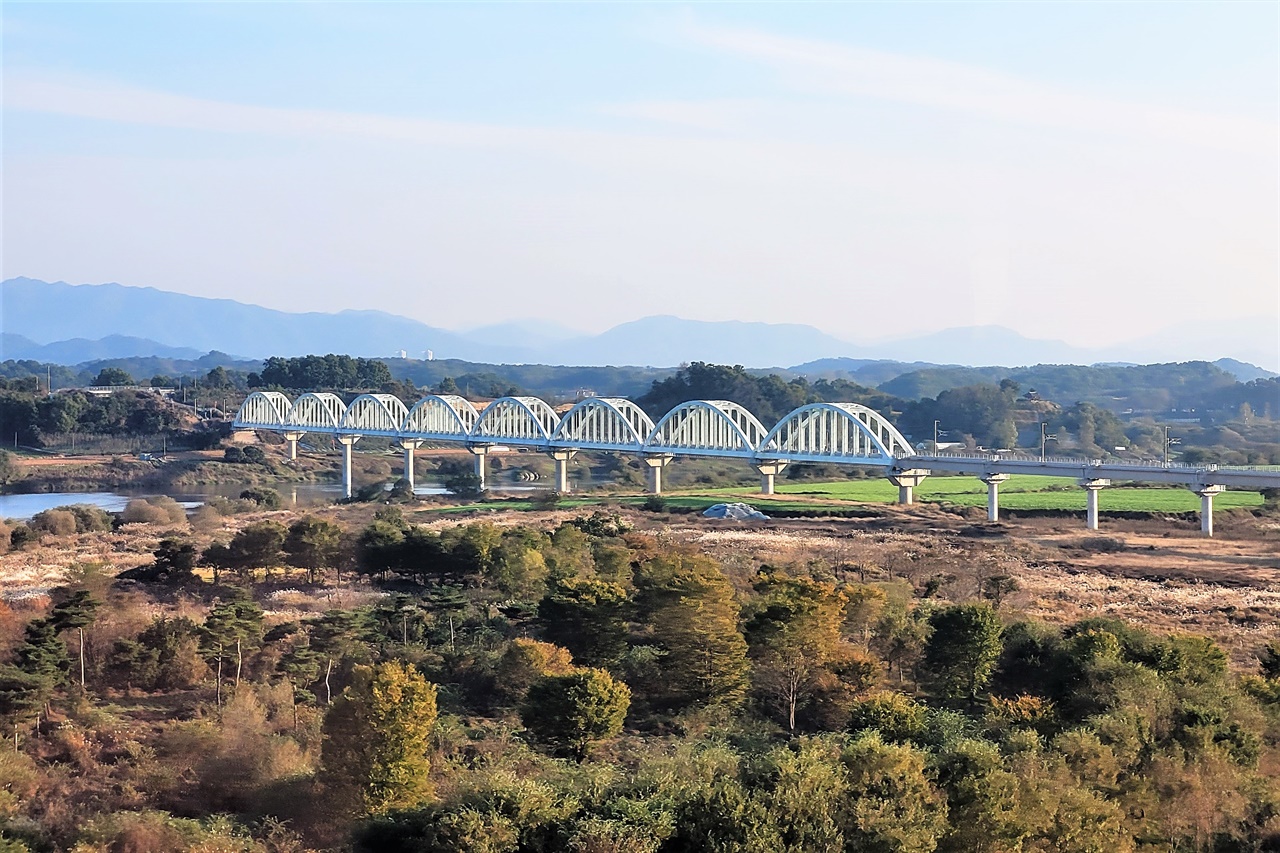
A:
[1193,384]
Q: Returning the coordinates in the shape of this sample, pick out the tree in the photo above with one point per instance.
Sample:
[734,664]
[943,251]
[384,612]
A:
[527,661]
[218,378]
[963,649]
[587,617]
[377,737]
[313,544]
[112,376]
[379,548]
[892,805]
[795,640]
[692,611]
[465,486]
[256,545]
[234,623]
[9,471]
[571,712]
[76,612]
[175,560]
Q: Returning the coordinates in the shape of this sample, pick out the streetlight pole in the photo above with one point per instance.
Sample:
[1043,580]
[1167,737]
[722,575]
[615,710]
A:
[935,437]
[1045,437]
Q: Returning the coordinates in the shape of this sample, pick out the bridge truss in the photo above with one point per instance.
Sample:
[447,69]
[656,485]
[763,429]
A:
[823,432]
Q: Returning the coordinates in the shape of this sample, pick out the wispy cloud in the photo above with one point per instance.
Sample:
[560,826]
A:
[940,84]
[105,101]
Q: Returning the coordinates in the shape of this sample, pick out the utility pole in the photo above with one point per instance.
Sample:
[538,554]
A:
[1045,437]
[1167,442]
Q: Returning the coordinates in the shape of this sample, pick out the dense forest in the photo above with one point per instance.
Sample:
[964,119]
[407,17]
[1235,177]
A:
[1238,427]
[281,682]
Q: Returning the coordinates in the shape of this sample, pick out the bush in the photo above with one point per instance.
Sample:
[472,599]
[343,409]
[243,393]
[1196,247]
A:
[263,497]
[89,518]
[465,486]
[21,536]
[546,501]
[58,522]
[234,455]
[154,510]
[654,503]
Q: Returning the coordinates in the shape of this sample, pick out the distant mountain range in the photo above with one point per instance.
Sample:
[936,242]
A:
[71,324]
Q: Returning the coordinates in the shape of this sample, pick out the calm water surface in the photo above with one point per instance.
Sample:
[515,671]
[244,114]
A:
[295,494]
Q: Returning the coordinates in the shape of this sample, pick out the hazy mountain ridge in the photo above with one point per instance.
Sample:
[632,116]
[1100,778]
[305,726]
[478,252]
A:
[92,322]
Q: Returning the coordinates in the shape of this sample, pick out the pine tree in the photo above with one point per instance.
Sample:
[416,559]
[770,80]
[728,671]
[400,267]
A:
[76,612]
[313,544]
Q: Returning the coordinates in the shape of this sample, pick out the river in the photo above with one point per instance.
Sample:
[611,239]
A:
[22,507]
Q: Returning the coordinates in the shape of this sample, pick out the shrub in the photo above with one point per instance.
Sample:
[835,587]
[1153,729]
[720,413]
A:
[465,486]
[263,497]
[654,503]
[21,536]
[154,510]
[89,518]
[57,522]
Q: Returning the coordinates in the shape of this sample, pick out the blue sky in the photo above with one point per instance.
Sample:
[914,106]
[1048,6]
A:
[1032,165]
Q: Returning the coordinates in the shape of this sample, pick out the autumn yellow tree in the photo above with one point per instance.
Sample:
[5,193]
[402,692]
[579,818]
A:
[377,737]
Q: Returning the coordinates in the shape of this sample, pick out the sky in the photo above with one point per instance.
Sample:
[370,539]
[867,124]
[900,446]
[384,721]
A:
[1086,172]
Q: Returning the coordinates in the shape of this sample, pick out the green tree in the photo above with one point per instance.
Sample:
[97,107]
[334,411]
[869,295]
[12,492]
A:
[112,376]
[257,545]
[175,559]
[377,737]
[9,471]
[233,624]
[571,712]
[587,617]
[464,486]
[692,612]
[76,611]
[962,652]
[313,544]
[893,807]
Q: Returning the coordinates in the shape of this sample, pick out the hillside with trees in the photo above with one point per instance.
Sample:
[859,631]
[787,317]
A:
[279,681]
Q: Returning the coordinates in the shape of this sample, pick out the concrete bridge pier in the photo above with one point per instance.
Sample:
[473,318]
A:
[1092,487]
[347,442]
[293,437]
[1206,494]
[768,470]
[993,482]
[481,451]
[562,458]
[409,445]
[907,481]
[656,463]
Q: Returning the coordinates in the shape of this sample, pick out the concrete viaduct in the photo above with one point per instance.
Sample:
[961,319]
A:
[838,433]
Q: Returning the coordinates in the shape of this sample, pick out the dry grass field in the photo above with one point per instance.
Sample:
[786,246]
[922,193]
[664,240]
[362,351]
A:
[1158,573]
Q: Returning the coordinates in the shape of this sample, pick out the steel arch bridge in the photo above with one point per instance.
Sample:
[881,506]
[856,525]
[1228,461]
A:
[822,432]
[839,433]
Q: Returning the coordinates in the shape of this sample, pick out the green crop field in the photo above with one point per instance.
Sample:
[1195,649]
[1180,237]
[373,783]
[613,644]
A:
[1021,491]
